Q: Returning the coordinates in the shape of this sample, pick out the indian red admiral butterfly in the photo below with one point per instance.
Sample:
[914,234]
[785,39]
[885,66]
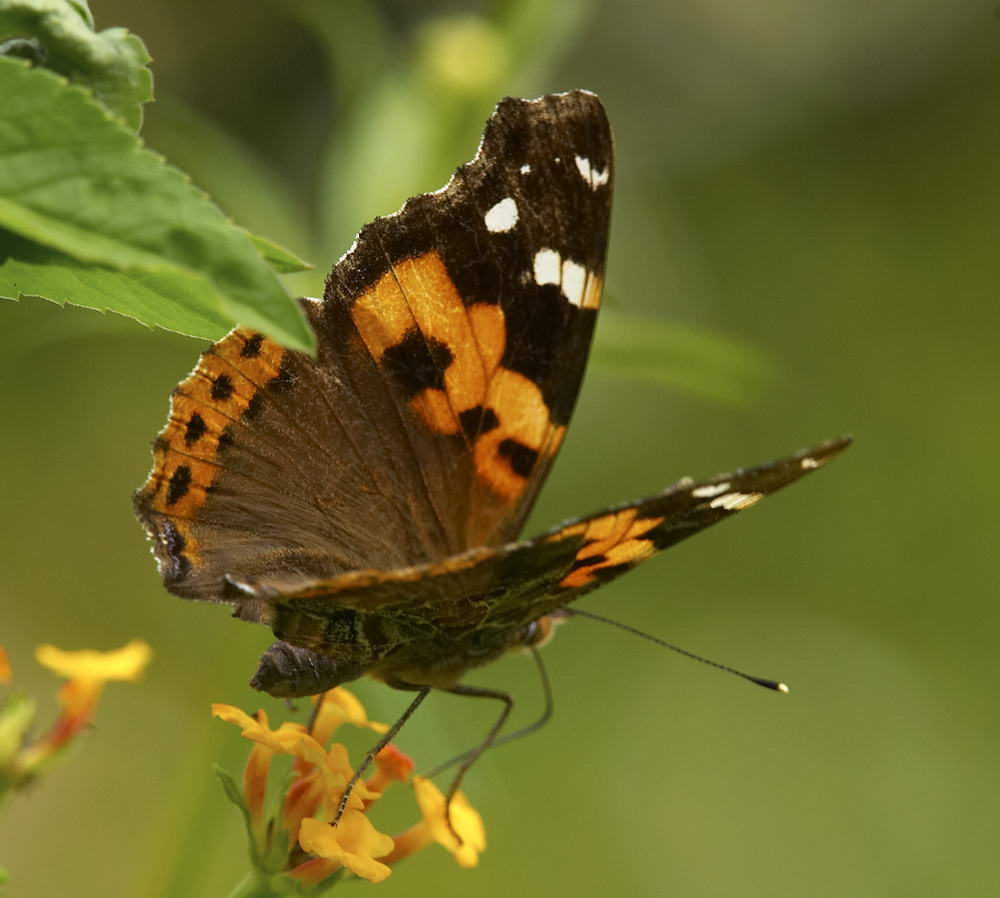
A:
[365,505]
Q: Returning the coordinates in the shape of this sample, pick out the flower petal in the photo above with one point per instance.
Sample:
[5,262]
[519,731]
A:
[314,871]
[464,818]
[408,842]
[254,790]
[126,663]
[391,765]
[354,842]
[339,706]
[283,740]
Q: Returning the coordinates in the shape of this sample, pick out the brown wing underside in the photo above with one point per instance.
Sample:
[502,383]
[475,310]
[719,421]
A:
[504,589]
[451,343]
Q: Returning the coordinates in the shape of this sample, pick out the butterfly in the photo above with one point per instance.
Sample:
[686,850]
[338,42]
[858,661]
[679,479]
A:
[366,504]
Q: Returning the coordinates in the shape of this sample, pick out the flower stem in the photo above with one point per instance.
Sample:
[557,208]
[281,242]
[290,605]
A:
[253,886]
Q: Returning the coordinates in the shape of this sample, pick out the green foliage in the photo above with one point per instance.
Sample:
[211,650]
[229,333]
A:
[818,183]
[16,717]
[111,64]
[89,202]
[694,361]
[235,795]
[89,217]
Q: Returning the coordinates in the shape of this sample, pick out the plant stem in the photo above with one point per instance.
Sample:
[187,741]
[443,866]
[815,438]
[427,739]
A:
[253,885]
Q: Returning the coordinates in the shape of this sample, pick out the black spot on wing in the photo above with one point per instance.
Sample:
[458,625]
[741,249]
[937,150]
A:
[251,348]
[222,387]
[478,420]
[522,458]
[196,428]
[416,363]
[589,561]
[180,481]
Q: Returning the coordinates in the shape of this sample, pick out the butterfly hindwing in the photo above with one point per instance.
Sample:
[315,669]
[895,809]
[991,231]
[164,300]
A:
[482,602]
[452,338]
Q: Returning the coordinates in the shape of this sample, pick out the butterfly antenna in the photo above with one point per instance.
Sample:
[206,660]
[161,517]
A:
[543,719]
[760,681]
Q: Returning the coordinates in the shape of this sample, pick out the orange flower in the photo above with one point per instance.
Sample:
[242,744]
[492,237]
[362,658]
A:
[282,740]
[338,706]
[254,790]
[353,842]
[467,823]
[319,776]
[318,786]
[298,841]
[391,765]
[87,671]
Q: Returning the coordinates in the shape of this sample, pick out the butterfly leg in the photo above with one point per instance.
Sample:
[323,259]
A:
[533,727]
[473,756]
[288,671]
[390,734]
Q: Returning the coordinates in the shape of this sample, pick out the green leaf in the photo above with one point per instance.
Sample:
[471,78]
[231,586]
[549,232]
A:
[175,300]
[243,183]
[111,64]
[16,716]
[669,355]
[233,793]
[282,260]
[76,181]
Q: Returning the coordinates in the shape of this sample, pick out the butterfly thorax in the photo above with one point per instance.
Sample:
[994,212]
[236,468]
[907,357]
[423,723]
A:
[397,648]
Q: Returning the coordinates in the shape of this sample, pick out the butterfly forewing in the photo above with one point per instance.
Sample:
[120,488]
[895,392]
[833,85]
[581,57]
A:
[452,339]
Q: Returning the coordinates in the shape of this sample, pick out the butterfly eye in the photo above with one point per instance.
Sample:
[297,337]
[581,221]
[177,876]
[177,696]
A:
[537,633]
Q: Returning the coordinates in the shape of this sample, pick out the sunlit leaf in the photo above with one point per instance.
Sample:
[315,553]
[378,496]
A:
[76,181]
[110,63]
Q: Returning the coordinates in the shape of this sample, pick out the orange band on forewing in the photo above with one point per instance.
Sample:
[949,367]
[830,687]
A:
[212,398]
[417,296]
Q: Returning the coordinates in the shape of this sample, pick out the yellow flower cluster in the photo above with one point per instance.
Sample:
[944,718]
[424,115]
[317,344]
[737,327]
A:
[315,850]
[86,673]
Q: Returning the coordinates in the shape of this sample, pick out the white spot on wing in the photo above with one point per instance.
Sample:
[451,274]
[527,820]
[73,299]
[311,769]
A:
[525,169]
[736,501]
[547,267]
[712,489]
[502,217]
[590,174]
[809,463]
[569,276]
[574,279]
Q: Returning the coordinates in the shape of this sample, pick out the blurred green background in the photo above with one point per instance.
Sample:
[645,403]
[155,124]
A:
[815,181]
